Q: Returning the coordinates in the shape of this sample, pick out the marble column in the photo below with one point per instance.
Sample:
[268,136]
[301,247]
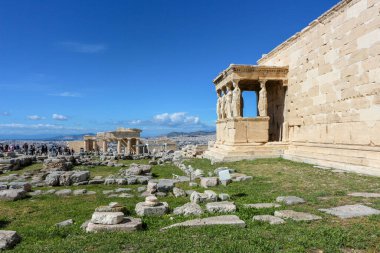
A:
[263,99]
[105,146]
[118,147]
[129,144]
[137,147]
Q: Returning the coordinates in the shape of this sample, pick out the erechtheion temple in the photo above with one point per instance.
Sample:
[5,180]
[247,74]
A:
[318,95]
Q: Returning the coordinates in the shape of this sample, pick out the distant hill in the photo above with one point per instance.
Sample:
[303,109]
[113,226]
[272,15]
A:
[197,133]
[73,137]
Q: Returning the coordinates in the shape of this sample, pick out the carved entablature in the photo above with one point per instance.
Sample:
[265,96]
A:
[120,133]
[234,73]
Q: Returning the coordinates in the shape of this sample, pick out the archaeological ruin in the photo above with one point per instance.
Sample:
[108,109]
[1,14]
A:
[318,96]
[128,141]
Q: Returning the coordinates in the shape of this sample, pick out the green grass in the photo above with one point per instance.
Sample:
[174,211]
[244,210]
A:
[34,218]
[31,168]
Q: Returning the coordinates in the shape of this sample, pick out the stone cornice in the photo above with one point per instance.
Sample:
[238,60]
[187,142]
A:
[264,70]
[323,19]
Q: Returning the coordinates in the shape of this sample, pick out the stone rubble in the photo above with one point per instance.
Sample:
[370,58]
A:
[290,200]
[188,209]
[273,220]
[232,220]
[262,205]
[351,211]
[221,207]
[111,218]
[296,216]
[8,239]
[151,207]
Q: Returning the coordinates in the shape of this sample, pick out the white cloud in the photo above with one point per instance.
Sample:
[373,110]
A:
[59,117]
[67,94]
[35,117]
[83,47]
[177,118]
[5,114]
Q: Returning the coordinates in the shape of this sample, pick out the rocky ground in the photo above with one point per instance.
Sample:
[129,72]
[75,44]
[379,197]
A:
[171,203]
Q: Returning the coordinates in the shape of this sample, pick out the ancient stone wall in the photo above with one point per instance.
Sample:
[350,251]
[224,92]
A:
[333,97]
[76,145]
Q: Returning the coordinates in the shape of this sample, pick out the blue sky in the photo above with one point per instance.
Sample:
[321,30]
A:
[79,66]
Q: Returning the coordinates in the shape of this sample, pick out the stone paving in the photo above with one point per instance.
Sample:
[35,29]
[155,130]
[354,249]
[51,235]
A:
[350,211]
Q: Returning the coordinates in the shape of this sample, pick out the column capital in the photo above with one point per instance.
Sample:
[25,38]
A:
[262,82]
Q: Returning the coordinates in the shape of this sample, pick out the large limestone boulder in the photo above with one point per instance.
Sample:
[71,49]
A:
[8,239]
[297,216]
[178,192]
[21,185]
[188,209]
[221,207]
[65,178]
[52,179]
[128,224]
[211,196]
[12,194]
[290,200]
[151,207]
[209,182]
[196,197]
[273,220]
[231,220]
[165,185]
[80,176]
[107,218]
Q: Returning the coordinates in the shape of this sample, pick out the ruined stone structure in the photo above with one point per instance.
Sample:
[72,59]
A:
[127,139]
[318,95]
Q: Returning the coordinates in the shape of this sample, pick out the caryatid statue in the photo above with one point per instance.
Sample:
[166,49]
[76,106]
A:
[263,103]
[219,105]
[236,101]
[222,105]
[228,106]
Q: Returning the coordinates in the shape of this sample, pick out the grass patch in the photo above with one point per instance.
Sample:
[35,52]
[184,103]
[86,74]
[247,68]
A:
[34,218]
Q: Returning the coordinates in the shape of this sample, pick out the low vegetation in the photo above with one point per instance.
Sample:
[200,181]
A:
[34,218]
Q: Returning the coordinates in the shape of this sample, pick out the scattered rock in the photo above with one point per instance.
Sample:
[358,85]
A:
[351,211]
[152,186]
[188,209]
[165,185]
[151,207]
[12,194]
[178,192]
[65,223]
[209,182]
[107,218]
[262,205]
[119,190]
[197,197]
[128,224]
[79,192]
[20,185]
[8,239]
[268,218]
[217,220]
[125,195]
[211,196]
[223,197]
[64,192]
[297,216]
[290,200]
[365,194]
[221,207]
